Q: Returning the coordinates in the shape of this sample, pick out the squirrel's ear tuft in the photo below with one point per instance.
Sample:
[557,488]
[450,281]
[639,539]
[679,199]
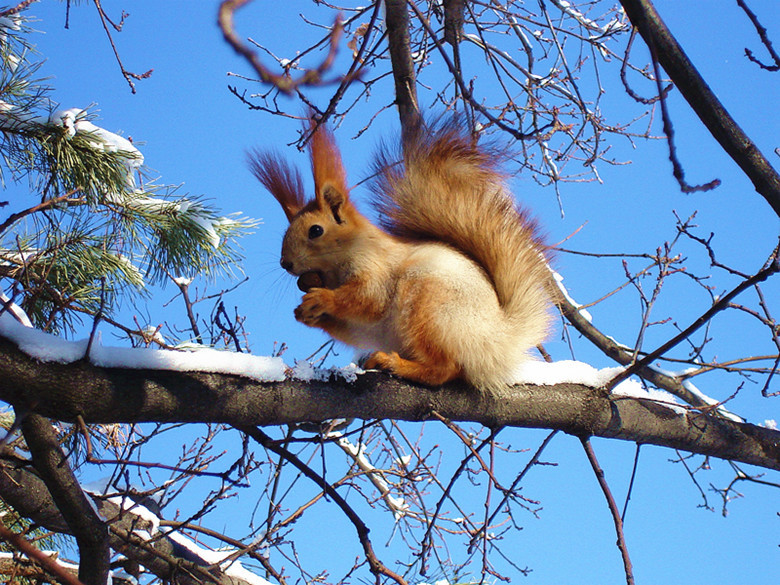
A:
[283,181]
[330,179]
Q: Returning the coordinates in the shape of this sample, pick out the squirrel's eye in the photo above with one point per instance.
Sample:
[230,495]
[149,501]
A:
[315,231]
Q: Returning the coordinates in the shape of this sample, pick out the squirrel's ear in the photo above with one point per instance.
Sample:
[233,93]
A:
[283,181]
[331,198]
[330,180]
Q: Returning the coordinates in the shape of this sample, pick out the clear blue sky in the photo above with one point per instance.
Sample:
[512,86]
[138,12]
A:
[194,132]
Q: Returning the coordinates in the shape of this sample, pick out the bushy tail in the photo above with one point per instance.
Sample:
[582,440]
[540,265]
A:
[449,189]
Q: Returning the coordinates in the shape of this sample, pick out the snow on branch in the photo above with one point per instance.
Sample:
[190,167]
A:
[50,348]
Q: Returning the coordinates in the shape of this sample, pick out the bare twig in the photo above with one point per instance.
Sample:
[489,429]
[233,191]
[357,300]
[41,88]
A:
[465,90]
[354,69]
[96,319]
[635,96]
[128,75]
[772,266]
[533,461]
[241,548]
[703,100]
[631,482]
[613,509]
[184,286]
[377,567]
[228,329]
[692,474]
[677,168]
[623,355]
[761,30]
[91,458]
[66,198]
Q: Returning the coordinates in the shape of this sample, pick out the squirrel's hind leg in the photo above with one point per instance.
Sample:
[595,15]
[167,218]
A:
[421,298]
[431,373]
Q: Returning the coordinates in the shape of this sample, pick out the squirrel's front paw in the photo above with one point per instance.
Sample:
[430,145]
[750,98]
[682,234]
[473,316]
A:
[316,304]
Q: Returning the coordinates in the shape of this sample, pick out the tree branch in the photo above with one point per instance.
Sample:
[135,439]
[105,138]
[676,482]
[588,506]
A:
[772,266]
[761,31]
[622,355]
[50,565]
[398,41]
[283,83]
[90,531]
[702,99]
[128,75]
[65,391]
[54,201]
[613,510]
[377,567]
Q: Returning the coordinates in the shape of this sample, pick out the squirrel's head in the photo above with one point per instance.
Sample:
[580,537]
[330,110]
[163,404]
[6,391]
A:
[321,229]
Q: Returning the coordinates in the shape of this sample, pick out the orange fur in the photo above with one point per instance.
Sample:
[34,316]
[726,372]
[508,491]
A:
[456,284]
[428,364]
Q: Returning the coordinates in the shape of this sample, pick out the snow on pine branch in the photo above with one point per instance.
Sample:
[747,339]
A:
[73,122]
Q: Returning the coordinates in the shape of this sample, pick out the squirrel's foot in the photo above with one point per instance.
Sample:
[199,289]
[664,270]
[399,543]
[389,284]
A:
[316,304]
[379,360]
[430,374]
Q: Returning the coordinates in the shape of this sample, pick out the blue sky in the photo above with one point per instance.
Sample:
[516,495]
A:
[193,132]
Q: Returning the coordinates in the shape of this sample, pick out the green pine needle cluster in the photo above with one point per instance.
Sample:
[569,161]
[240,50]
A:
[88,232]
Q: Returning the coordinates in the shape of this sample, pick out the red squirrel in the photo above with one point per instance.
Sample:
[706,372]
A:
[454,285]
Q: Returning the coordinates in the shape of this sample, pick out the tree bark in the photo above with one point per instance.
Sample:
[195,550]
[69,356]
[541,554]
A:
[398,40]
[105,395]
[90,531]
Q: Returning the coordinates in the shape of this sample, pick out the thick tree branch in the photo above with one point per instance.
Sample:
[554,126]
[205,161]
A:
[90,531]
[702,99]
[23,488]
[398,41]
[123,395]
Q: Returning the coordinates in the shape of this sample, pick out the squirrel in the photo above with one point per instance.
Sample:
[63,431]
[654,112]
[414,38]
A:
[455,282]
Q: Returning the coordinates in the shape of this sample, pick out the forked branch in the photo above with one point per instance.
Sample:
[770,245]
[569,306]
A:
[284,82]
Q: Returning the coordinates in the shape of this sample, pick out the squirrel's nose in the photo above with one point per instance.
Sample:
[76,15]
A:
[286,264]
